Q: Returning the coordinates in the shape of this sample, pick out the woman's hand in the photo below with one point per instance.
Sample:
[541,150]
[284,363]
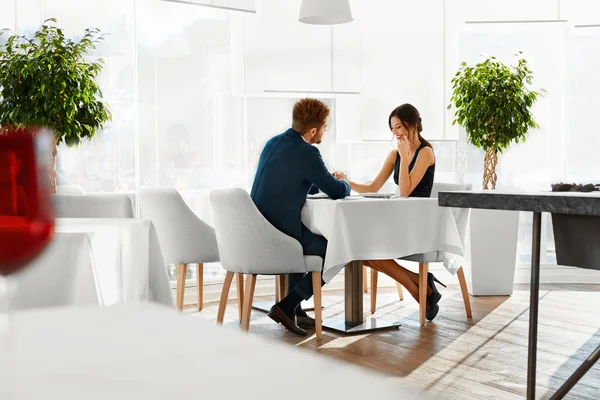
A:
[340,176]
[403,148]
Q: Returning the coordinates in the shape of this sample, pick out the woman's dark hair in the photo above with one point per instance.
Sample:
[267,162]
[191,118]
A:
[409,115]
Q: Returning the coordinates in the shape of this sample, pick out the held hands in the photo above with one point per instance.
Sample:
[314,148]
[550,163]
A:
[340,176]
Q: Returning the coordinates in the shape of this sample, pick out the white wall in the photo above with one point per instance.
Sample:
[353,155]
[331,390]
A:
[195,91]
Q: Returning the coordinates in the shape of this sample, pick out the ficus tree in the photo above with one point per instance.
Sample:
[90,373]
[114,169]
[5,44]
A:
[46,81]
[493,102]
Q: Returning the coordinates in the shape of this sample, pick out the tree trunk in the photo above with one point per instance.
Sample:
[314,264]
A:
[489,169]
[53,174]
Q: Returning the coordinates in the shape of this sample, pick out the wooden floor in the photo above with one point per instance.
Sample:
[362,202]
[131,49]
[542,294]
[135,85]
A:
[458,358]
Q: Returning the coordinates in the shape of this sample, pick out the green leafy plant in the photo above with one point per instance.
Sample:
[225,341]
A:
[46,81]
[493,103]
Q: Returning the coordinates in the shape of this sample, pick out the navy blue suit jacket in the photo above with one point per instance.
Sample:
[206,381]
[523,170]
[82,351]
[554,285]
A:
[287,169]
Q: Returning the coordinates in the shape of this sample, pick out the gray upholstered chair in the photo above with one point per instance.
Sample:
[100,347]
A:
[92,206]
[424,260]
[184,238]
[250,245]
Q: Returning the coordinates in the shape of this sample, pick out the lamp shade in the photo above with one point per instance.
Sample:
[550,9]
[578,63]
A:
[325,12]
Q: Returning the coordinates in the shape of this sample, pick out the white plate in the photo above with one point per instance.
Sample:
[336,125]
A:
[378,195]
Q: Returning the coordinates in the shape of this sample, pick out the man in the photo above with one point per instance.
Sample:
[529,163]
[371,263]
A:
[289,167]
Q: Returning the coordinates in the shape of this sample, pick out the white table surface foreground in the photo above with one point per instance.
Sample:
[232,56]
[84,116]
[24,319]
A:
[150,352]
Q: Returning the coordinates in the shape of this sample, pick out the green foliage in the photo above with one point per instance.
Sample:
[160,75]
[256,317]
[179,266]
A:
[493,102]
[46,81]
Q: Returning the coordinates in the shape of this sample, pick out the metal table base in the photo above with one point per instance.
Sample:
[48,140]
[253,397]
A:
[354,320]
[577,375]
[533,304]
[533,324]
[369,324]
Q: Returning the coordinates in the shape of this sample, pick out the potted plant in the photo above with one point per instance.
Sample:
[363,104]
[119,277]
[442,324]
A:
[493,103]
[45,81]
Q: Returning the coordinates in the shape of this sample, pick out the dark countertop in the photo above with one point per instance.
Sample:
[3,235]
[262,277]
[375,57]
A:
[576,203]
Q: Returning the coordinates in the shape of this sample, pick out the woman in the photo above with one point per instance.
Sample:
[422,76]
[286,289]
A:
[413,165]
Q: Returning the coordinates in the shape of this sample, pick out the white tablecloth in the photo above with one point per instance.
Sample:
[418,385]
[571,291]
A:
[150,352]
[370,229]
[64,274]
[127,257]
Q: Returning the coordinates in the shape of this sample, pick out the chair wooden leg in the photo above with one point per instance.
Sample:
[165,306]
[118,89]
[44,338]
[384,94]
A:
[200,285]
[465,291]
[374,276]
[281,292]
[181,274]
[239,280]
[400,291]
[423,270]
[316,283]
[248,297]
[224,295]
[365,282]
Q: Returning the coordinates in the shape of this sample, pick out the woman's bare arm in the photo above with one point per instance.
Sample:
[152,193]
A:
[380,179]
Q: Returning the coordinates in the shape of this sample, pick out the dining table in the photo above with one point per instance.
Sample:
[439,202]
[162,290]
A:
[106,261]
[376,227]
[576,225]
[63,274]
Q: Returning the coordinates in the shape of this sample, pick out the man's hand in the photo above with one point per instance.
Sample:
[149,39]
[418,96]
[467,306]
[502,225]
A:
[340,176]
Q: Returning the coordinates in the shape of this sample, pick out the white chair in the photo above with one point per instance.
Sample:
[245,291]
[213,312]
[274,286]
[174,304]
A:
[250,245]
[92,206]
[184,238]
[424,260]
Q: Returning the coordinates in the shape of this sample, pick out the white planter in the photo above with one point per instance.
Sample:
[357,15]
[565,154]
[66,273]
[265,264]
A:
[491,252]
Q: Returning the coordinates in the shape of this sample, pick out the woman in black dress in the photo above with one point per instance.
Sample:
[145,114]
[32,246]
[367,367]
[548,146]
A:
[413,166]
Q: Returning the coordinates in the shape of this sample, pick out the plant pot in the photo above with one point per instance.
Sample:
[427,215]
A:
[491,252]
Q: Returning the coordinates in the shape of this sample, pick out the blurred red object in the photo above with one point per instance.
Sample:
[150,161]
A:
[26,213]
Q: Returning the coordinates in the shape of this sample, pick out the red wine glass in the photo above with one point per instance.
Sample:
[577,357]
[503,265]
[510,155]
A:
[26,214]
